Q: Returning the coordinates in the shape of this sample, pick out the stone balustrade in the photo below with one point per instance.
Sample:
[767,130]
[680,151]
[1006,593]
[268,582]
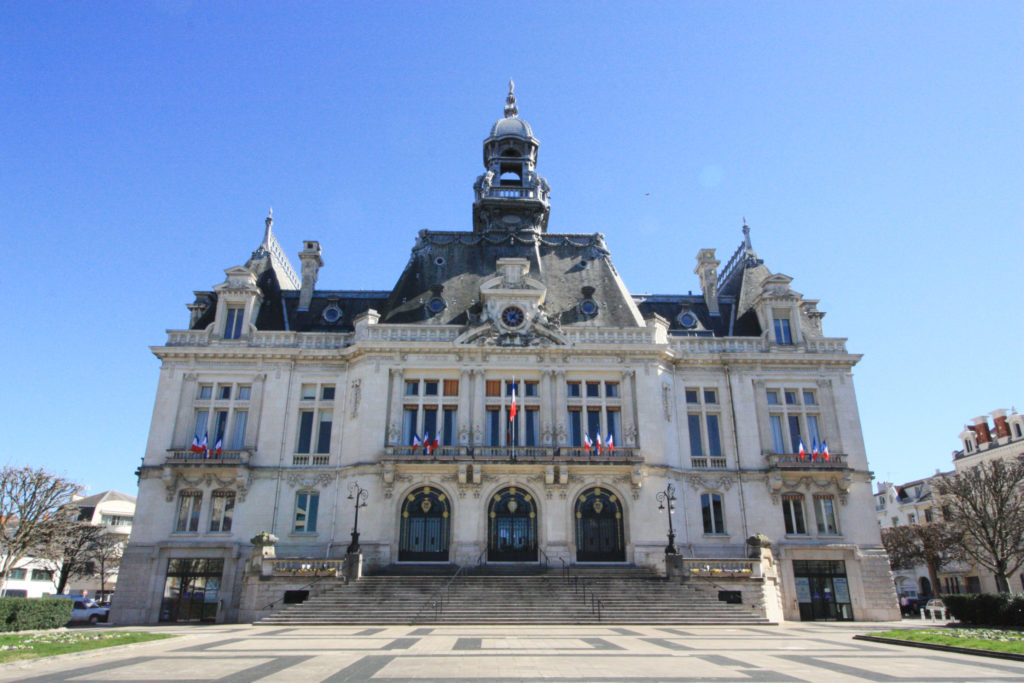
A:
[836,461]
[187,457]
[560,454]
[731,568]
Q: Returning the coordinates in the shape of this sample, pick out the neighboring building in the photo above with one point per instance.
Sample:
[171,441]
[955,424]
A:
[309,391]
[115,511]
[983,442]
[35,577]
[912,503]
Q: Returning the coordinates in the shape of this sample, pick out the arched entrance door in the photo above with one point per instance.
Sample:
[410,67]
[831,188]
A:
[599,527]
[512,530]
[425,527]
[926,587]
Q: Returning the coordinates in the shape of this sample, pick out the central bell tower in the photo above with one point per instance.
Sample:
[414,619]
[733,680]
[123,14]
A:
[510,197]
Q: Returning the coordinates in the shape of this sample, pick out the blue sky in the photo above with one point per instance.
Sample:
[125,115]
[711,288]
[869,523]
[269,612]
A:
[875,148]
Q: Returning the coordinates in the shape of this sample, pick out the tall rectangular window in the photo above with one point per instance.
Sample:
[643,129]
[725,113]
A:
[493,434]
[613,425]
[222,509]
[323,434]
[794,433]
[305,431]
[448,433]
[451,387]
[408,425]
[575,428]
[593,422]
[825,515]
[233,325]
[782,332]
[238,436]
[712,513]
[187,518]
[812,430]
[693,422]
[202,416]
[306,505]
[430,423]
[221,426]
[714,441]
[778,445]
[530,424]
[793,513]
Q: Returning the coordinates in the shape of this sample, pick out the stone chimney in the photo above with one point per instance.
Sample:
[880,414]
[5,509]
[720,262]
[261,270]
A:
[981,430]
[707,269]
[311,262]
[1002,426]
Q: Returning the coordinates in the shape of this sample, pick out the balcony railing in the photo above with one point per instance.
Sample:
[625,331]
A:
[184,457]
[561,454]
[513,192]
[302,567]
[708,463]
[836,461]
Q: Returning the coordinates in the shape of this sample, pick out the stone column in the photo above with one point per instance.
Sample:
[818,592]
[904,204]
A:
[183,421]
[395,416]
[465,415]
[252,429]
[547,412]
[478,398]
[558,409]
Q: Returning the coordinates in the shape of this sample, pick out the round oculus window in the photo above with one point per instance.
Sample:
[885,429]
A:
[436,304]
[588,307]
[332,314]
[513,316]
[688,320]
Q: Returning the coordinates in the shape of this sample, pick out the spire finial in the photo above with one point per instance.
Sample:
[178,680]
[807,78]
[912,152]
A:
[746,234]
[269,222]
[511,110]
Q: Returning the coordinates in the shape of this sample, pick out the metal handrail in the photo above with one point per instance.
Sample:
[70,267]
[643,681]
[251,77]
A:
[581,584]
[436,600]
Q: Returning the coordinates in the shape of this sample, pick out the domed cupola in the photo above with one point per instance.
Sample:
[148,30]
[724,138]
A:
[510,196]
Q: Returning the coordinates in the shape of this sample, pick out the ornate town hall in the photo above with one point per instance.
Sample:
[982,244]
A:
[508,401]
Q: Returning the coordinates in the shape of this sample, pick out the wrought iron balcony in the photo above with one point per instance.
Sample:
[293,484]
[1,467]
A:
[545,454]
[224,458]
[792,461]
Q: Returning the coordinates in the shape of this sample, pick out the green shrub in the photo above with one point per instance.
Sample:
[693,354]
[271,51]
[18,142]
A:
[989,609]
[25,614]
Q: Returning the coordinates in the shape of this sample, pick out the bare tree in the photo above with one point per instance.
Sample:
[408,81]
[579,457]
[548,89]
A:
[935,545]
[985,507]
[107,554]
[71,547]
[30,507]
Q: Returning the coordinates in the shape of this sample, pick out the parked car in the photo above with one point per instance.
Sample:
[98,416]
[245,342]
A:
[86,610]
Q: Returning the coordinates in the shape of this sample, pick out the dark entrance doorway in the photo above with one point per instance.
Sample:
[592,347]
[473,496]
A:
[599,527]
[426,525]
[512,529]
[192,589]
[822,590]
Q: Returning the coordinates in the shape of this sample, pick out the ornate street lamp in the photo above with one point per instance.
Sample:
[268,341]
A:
[358,494]
[667,498]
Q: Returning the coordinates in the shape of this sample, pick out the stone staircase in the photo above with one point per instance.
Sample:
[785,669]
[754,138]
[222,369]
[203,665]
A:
[526,595]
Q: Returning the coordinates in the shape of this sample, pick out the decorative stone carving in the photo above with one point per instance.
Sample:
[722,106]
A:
[357,394]
[294,479]
[630,434]
[666,401]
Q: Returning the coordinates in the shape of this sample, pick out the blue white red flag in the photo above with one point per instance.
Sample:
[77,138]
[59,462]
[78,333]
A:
[600,446]
[814,449]
[802,453]
[217,446]
[587,444]
[824,450]
[611,443]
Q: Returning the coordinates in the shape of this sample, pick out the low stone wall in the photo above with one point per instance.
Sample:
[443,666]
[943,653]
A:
[262,596]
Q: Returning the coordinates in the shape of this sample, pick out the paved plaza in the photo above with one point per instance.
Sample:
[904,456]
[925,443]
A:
[792,652]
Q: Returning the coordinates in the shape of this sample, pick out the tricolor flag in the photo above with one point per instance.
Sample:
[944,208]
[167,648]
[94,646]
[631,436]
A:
[587,443]
[802,452]
[217,446]
[824,450]
[611,443]
[415,442]
[514,409]
[434,444]
[600,447]
[196,447]
[426,443]
[814,449]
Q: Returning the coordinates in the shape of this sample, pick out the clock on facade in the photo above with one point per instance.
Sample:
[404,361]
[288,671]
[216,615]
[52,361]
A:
[513,316]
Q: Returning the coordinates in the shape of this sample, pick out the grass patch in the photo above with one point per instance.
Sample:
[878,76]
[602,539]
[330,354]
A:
[995,640]
[48,643]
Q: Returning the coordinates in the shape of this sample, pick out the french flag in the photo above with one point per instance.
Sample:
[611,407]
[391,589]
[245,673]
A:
[426,442]
[434,444]
[514,409]
[611,443]
[587,443]
[415,442]
[196,447]
[217,446]
[814,449]
[802,453]
[824,450]
[598,440]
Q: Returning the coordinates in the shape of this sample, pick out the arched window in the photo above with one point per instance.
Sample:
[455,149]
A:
[512,528]
[599,536]
[425,526]
[713,513]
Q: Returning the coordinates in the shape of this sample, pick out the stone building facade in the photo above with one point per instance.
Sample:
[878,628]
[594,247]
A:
[310,392]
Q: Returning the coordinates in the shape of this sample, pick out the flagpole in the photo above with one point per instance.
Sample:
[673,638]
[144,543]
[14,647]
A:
[514,433]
